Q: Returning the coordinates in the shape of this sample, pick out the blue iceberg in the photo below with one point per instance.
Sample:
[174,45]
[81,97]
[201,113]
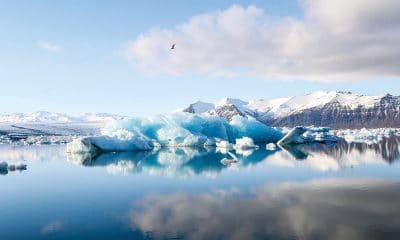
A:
[174,130]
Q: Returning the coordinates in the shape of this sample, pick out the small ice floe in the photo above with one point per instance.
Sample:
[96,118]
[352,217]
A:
[244,143]
[227,161]
[271,146]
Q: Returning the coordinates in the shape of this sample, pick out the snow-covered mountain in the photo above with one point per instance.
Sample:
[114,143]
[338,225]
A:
[50,117]
[22,126]
[335,109]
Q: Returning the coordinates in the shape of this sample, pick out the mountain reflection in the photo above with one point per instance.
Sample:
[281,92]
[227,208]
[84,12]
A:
[324,209]
[185,162]
[388,149]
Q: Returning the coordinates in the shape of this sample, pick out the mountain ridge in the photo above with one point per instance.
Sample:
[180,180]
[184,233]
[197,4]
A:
[335,109]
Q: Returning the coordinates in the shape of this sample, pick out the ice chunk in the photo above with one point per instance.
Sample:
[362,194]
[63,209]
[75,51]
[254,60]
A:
[368,136]
[293,136]
[176,130]
[245,143]
[318,134]
[271,146]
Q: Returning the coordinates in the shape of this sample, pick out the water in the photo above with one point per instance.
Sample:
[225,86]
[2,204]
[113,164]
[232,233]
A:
[342,191]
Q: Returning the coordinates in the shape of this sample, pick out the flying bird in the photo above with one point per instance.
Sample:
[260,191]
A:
[173,46]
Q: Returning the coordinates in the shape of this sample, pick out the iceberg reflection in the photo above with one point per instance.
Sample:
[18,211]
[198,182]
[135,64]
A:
[185,162]
[174,162]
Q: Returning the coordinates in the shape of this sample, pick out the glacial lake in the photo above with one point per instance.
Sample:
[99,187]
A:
[338,191]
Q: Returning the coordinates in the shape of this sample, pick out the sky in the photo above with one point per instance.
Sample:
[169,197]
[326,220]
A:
[114,56]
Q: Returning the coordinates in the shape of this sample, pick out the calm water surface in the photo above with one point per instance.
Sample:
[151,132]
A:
[341,191]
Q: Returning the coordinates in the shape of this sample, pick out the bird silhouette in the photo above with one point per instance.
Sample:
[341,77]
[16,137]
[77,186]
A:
[173,46]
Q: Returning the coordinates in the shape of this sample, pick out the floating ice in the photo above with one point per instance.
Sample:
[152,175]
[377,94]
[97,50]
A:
[244,143]
[176,130]
[368,136]
[293,137]
[299,135]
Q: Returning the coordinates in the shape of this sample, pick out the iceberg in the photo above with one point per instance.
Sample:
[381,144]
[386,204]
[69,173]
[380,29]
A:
[294,136]
[174,130]
[300,135]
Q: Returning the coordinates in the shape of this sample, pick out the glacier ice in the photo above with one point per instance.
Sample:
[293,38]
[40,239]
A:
[174,130]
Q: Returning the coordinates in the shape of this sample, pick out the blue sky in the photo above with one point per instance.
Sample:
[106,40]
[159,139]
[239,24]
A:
[71,56]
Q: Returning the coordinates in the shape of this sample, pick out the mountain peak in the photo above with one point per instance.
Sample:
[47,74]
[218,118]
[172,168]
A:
[320,108]
[231,101]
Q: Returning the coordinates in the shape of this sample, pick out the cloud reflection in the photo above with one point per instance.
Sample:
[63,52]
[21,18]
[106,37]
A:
[325,209]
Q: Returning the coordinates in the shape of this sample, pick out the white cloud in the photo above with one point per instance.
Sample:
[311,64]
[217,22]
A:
[336,40]
[49,46]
